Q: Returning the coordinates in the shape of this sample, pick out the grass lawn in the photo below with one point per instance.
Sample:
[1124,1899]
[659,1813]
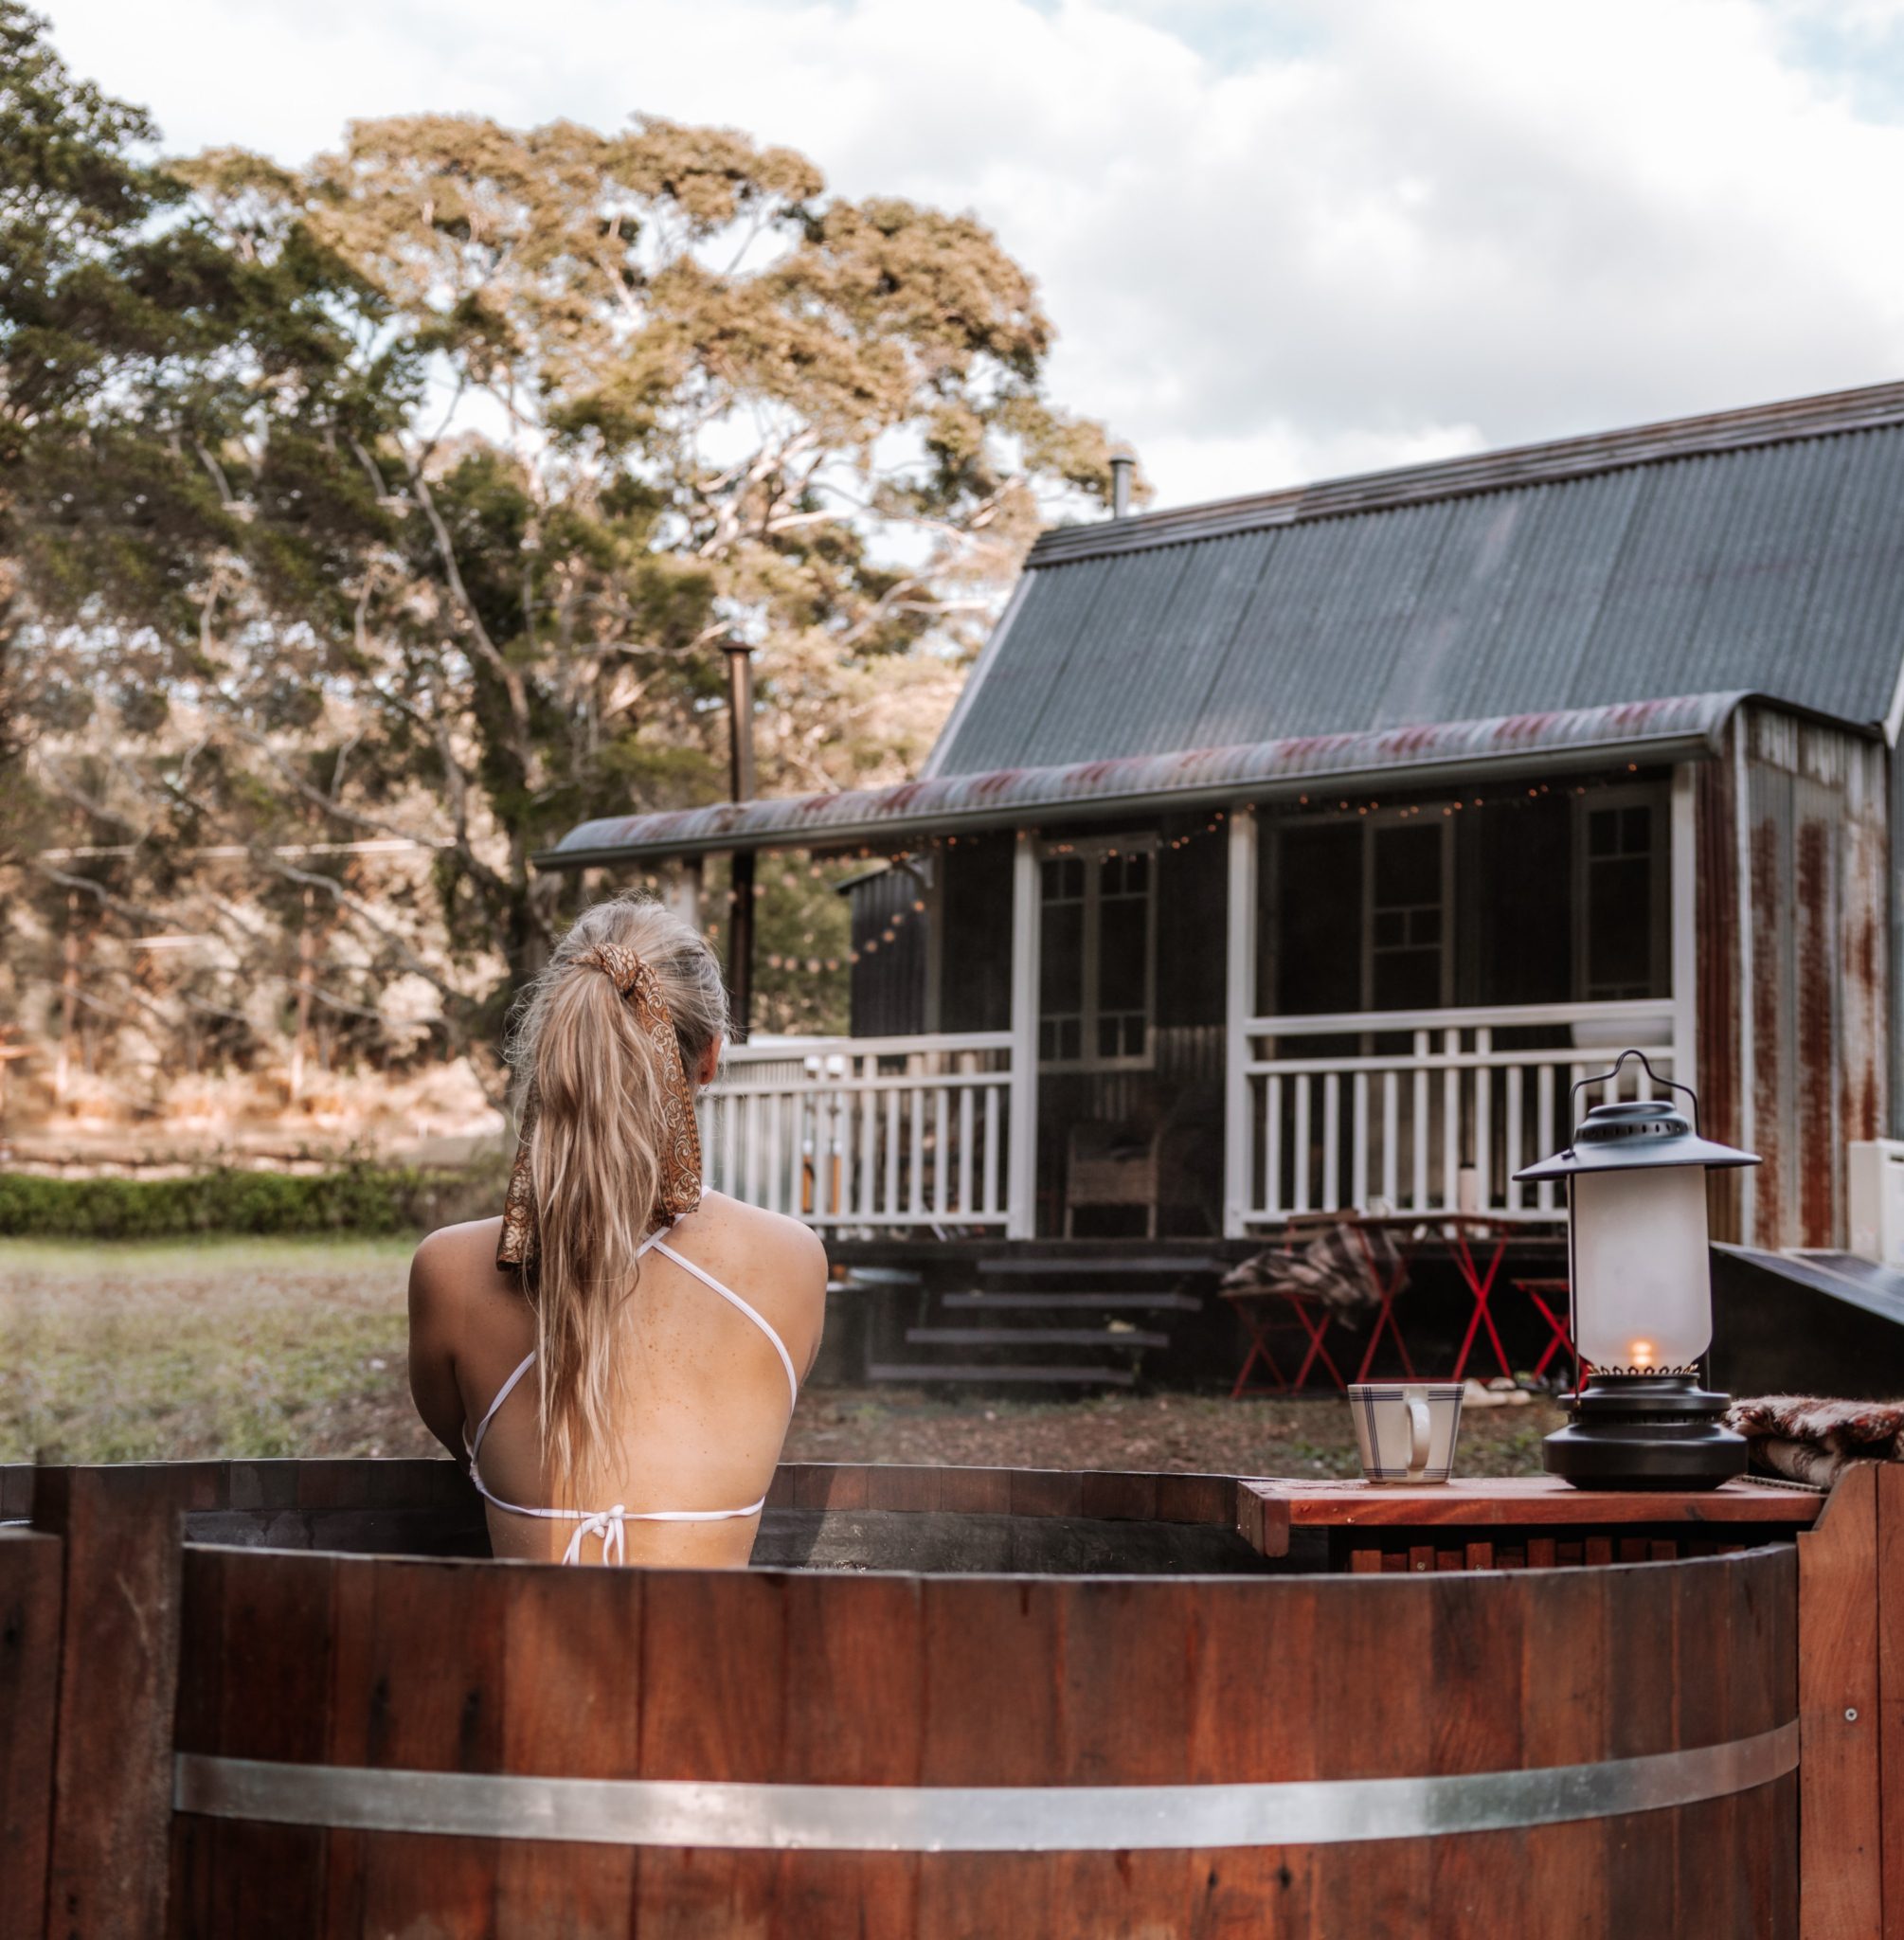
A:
[186,1348]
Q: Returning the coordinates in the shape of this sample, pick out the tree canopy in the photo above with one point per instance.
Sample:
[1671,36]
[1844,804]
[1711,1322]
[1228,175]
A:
[368,524]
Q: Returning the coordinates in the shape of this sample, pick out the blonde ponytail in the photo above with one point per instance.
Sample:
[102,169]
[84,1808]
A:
[598,1168]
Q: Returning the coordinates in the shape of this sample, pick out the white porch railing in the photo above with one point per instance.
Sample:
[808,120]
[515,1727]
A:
[865,1132]
[1427,1111]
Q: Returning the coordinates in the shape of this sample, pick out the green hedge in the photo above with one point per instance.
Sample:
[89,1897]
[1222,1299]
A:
[364,1199]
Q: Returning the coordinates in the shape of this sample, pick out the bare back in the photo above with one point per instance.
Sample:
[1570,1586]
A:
[705,1400]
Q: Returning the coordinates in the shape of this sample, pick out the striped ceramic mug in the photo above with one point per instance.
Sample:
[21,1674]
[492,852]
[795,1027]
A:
[1405,1429]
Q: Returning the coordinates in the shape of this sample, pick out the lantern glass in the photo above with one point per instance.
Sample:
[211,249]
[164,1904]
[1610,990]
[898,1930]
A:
[1641,1282]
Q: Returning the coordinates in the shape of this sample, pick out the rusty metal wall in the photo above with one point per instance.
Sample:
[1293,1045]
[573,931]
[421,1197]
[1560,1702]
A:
[1801,1007]
[1720,1078]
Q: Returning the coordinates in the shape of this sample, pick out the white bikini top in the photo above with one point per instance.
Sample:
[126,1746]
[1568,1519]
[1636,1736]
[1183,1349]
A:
[607,1524]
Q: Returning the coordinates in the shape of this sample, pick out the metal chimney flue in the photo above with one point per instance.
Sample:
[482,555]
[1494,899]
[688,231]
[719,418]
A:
[1123,469]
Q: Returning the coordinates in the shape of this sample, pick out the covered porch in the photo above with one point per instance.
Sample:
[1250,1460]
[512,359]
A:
[1165,1001]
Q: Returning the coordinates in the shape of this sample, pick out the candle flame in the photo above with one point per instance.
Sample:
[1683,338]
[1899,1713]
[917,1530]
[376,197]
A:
[1642,1353]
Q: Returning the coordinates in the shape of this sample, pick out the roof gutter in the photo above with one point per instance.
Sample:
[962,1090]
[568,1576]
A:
[1694,741]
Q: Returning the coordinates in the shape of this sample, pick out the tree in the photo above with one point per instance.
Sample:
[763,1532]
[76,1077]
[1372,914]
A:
[383,518]
[678,396]
[164,400]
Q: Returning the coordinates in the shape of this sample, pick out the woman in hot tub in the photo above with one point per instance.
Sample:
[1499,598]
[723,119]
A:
[619,1354]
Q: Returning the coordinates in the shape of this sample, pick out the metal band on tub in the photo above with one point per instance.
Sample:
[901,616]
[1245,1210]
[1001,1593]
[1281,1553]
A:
[934,1819]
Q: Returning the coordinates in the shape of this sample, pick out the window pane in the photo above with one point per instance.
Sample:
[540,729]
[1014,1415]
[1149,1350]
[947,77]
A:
[1061,957]
[1408,981]
[1391,930]
[1123,935]
[1619,927]
[1603,832]
[1070,1039]
[1318,937]
[1408,865]
[1109,1038]
[1636,831]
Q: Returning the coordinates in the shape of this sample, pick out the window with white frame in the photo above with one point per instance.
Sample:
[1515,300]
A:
[1620,924]
[1409,959]
[1097,952]
[1363,914]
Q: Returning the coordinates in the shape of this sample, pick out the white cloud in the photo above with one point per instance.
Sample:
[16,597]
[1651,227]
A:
[1278,240]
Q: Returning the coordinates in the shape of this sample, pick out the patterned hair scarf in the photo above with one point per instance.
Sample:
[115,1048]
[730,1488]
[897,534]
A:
[680,1135]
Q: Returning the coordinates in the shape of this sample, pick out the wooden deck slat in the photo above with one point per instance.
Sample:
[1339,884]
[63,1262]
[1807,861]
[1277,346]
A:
[926,1374]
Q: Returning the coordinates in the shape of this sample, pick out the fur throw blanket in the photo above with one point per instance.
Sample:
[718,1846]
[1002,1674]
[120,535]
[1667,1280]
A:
[1340,1267]
[1805,1439]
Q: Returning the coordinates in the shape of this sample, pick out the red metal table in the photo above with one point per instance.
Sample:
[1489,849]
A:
[1464,1234]
[1559,1340]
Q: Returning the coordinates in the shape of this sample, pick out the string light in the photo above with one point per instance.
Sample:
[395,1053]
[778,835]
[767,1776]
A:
[1516,795]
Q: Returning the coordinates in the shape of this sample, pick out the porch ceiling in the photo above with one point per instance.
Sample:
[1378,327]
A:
[1684,728]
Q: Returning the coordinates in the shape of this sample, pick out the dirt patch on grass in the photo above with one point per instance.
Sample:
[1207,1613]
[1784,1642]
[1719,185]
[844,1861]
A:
[296,1347]
[1312,1436]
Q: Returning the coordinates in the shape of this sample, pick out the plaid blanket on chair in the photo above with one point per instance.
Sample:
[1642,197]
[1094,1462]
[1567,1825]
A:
[1804,1438]
[1339,1267]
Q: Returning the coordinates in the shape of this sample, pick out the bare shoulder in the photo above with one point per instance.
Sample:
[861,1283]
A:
[790,1245]
[448,1266]
[784,1259]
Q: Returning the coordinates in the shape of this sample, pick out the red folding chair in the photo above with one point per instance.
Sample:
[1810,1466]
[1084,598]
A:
[1386,1289]
[1559,1340]
[1307,1315]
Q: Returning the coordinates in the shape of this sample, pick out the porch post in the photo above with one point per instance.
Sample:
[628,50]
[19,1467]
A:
[1021,1189]
[1682,862]
[1239,1002]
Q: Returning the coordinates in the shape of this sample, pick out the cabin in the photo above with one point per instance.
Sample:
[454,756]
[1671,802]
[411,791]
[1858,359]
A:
[1314,849]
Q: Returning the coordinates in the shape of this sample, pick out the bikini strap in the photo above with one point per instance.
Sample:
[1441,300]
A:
[660,1245]
[502,1394]
[734,1299]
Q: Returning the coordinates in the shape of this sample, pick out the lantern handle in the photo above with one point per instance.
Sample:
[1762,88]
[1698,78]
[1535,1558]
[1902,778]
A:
[1605,1077]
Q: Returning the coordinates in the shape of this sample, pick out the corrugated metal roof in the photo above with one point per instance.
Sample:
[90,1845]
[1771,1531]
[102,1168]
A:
[1489,470]
[1763,551]
[1500,744]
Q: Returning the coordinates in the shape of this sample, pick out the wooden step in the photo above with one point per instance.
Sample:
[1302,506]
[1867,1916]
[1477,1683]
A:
[1108,1265]
[1102,1303]
[978,1376]
[1035,1336]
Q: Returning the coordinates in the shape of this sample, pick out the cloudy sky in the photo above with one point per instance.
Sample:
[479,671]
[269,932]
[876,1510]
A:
[1280,239]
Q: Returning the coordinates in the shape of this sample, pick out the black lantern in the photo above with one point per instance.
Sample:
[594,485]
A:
[1642,1296]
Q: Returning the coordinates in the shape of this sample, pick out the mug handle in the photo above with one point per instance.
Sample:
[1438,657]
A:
[1418,1434]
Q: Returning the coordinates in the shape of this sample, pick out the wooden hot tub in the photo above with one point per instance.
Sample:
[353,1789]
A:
[956,1703]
